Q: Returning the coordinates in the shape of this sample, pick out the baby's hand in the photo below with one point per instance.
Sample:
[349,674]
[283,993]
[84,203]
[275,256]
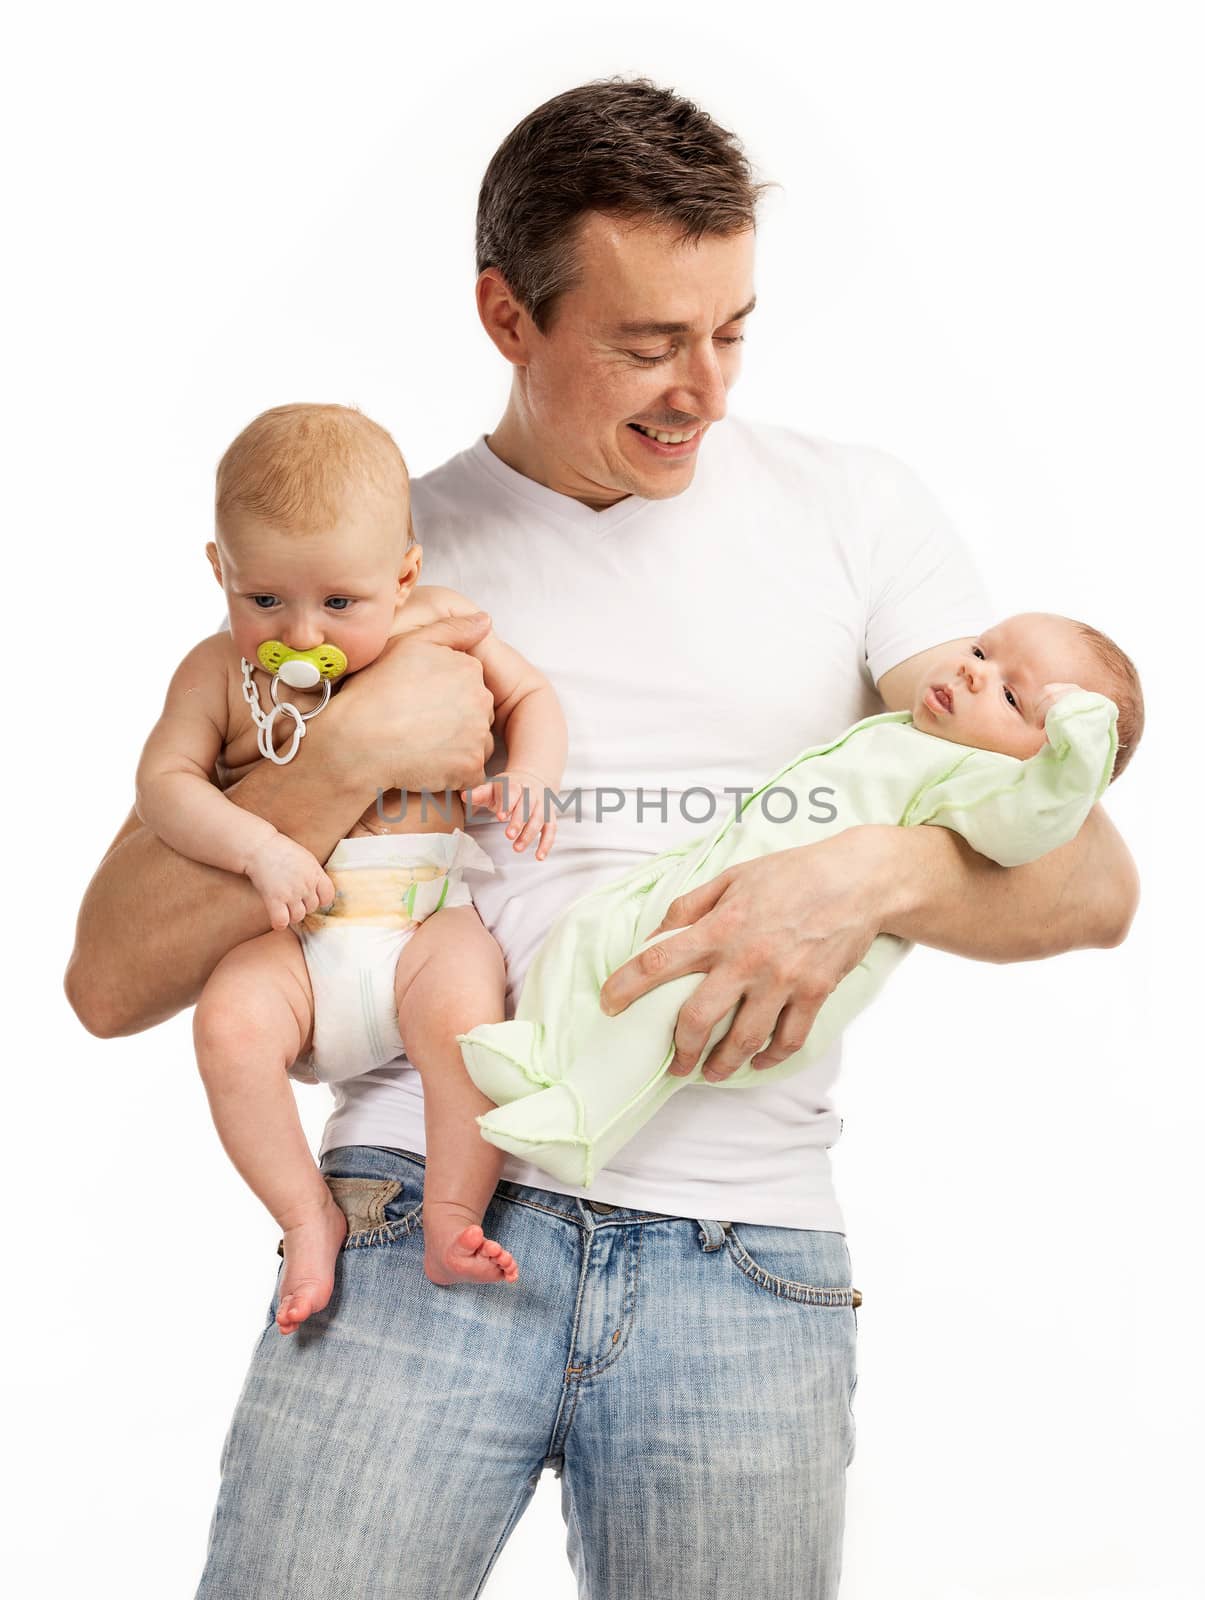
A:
[1052,692]
[290,880]
[520,799]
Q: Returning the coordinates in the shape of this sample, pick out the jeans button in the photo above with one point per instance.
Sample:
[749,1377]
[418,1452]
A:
[601,1207]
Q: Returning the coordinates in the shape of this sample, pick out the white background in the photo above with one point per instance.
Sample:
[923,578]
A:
[985,256]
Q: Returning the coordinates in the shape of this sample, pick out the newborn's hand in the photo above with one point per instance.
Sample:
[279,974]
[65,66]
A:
[521,800]
[290,880]
[1051,694]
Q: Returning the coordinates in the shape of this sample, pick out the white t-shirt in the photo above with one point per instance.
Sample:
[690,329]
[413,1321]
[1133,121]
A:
[696,643]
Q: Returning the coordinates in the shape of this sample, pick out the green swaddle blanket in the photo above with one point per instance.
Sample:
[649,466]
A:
[572,1085]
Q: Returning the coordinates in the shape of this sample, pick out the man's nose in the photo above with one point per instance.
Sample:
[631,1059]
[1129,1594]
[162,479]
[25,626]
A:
[701,390]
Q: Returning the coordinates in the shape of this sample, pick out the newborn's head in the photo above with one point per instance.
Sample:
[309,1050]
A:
[991,692]
[313,543]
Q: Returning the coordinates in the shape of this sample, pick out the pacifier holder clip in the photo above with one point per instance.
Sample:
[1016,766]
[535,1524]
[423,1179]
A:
[265,722]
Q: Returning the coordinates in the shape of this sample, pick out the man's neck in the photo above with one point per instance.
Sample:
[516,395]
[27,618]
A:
[515,444]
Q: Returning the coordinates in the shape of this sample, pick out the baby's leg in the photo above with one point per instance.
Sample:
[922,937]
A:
[450,976]
[253,1019]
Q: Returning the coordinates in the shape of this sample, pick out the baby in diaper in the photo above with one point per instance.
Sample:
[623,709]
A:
[314,550]
[1011,742]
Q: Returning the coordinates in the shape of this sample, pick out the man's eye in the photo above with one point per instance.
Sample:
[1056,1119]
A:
[338,602]
[650,361]
[265,602]
[737,338]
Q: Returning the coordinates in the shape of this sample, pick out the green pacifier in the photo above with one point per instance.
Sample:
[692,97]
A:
[299,669]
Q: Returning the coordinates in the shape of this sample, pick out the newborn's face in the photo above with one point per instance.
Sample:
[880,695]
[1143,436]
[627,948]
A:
[986,693]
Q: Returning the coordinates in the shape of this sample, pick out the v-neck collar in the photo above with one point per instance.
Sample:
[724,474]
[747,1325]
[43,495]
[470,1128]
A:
[561,506]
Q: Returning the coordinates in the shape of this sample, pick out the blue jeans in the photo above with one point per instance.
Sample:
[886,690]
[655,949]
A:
[689,1380]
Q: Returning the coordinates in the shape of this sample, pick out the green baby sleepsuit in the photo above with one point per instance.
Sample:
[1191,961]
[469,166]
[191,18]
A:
[572,1085]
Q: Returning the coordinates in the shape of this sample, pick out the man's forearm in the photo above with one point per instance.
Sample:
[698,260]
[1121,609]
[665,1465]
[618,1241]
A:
[944,894]
[154,924]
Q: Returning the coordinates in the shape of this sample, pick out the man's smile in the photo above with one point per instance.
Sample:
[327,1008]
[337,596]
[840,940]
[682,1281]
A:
[669,443]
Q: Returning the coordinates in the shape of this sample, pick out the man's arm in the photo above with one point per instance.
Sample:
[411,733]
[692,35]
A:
[1082,896]
[154,924]
[776,935]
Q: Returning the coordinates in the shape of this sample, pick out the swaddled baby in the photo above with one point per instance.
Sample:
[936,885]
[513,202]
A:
[1010,744]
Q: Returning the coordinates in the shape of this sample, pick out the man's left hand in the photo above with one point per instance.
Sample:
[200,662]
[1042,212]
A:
[775,936]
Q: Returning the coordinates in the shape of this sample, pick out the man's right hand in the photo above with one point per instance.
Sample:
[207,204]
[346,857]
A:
[417,718]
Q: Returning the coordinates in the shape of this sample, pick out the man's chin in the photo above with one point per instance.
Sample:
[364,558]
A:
[666,489]
[666,483]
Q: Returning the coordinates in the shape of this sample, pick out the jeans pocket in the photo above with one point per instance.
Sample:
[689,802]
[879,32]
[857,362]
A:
[378,1192]
[806,1265]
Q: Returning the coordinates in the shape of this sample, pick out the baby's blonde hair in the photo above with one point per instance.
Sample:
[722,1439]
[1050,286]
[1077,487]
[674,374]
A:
[1123,686]
[293,466]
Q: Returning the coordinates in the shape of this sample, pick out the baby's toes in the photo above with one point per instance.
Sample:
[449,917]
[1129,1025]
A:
[288,1315]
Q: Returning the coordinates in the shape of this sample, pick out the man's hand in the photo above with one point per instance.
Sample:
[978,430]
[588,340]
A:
[774,936]
[417,718]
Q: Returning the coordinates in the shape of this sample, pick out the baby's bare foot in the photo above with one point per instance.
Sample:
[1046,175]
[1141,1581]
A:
[457,1252]
[311,1249]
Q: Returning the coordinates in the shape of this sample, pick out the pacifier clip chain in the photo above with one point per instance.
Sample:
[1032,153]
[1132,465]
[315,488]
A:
[265,722]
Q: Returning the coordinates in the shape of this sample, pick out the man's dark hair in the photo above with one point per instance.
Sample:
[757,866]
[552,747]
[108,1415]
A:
[620,146]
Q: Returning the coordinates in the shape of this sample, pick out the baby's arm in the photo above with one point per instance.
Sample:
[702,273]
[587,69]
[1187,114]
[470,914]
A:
[176,795]
[1015,811]
[530,719]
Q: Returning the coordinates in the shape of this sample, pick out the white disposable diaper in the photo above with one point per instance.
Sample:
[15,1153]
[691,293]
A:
[385,886]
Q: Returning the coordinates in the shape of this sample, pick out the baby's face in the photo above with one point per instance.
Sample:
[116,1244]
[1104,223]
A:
[340,587]
[987,692]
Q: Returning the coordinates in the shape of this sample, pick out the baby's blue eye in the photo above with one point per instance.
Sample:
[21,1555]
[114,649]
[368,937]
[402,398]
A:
[338,602]
[265,602]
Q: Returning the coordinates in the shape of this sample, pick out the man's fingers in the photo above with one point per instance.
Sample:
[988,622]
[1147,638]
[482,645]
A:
[711,1002]
[688,908]
[459,633]
[669,958]
[751,1027]
[789,1036]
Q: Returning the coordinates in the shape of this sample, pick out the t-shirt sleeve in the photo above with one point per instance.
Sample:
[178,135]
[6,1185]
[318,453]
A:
[1015,811]
[923,587]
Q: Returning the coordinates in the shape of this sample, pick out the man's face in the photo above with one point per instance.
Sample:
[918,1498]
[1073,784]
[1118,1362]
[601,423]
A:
[649,338]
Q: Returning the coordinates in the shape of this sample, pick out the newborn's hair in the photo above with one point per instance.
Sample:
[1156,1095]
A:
[1123,687]
[293,466]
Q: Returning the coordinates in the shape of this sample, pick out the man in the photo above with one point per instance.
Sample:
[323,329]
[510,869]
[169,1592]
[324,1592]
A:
[708,598]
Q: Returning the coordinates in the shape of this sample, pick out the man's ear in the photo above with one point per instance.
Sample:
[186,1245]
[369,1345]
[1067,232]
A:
[412,565]
[215,561]
[503,318]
